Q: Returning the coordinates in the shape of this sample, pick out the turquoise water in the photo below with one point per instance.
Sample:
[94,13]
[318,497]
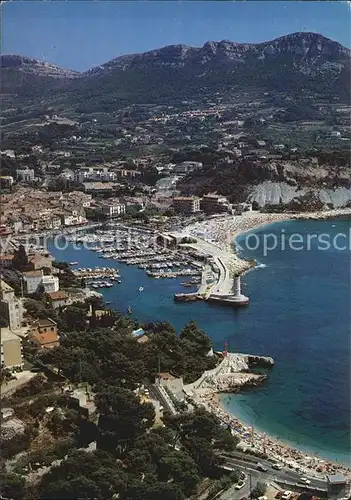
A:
[299,314]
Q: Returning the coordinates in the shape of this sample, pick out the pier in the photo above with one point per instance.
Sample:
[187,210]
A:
[221,276]
[103,272]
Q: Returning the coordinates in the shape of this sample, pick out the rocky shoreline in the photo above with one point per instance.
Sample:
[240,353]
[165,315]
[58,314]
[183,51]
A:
[243,383]
[233,375]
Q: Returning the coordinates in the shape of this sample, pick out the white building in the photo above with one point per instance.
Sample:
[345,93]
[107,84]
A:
[25,174]
[97,174]
[9,152]
[243,207]
[187,166]
[113,208]
[33,279]
[50,283]
[67,174]
[72,219]
[11,306]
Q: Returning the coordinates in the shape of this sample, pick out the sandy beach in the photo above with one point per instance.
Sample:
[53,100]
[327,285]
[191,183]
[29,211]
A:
[251,439]
[221,232]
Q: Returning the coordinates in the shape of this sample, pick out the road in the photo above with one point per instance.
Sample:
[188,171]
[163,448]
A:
[233,494]
[284,474]
[155,393]
[22,379]
[285,478]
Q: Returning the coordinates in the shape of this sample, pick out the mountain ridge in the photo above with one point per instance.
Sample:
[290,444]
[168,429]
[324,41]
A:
[216,48]
[295,63]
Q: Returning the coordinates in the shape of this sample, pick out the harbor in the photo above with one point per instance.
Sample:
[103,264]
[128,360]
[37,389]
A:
[214,270]
[245,330]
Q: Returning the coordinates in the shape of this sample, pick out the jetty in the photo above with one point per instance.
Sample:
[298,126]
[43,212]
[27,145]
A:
[231,375]
[221,276]
[96,273]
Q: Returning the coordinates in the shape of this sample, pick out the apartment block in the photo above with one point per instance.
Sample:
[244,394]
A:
[25,174]
[113,208]
[186,204]
[33,279]
[11,306]
[214,203]
[11,349]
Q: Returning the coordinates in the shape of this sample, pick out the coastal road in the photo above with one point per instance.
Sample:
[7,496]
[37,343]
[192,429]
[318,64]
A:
[233,494]
[281,476]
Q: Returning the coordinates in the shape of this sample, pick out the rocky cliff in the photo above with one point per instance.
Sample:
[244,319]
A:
[274,193]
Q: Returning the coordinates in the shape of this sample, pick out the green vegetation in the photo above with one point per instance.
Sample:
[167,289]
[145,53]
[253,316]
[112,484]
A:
[224,483]
[20,259]
[113,356]
[259,490]
[134,460]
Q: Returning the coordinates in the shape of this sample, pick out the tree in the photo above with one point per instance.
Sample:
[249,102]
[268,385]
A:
[78,487]
[37,309]
[202,435]
[39,293]
[119,368]
[84,475]
[164,491]
[195,336]
[5,375]
[63,266]
[122,418]
[180,468]
[204,455]
[11,485]
[259,490]
[3,320]
[73,319]
[20,259]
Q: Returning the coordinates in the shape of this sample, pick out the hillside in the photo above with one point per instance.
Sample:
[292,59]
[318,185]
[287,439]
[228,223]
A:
[273,181]
[26,75]
[269,107]
[294,63]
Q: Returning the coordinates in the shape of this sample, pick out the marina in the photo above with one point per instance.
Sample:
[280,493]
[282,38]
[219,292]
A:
[214,269]
[98,277]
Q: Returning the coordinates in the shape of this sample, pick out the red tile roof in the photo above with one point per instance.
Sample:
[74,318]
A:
[59,295]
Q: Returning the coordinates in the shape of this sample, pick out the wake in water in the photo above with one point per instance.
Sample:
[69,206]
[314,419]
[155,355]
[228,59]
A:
[259,265]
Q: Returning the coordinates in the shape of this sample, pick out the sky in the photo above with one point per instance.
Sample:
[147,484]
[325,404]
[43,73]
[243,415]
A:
[80,34]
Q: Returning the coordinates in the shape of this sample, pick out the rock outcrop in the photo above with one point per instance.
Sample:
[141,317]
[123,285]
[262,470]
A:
[260,361]
[273,193]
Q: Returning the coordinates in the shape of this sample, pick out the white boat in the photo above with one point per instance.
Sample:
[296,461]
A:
[141,288]
[73,263]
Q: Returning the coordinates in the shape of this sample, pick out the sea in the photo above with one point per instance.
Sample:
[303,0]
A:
[299,314]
